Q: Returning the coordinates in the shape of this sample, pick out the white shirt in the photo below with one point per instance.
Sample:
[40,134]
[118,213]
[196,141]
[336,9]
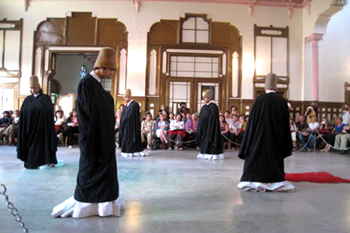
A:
[174,123]
[94,75]
[346,117]
[314,126]
[235,126]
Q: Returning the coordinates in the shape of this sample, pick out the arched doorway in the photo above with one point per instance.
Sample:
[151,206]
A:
[78,33]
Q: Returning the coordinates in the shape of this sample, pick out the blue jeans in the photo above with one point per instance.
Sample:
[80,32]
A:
[310,139]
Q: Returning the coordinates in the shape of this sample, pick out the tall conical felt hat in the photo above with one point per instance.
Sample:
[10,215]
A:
[127,93]
[34,81]
[208,93]
[271,81]
[106,59]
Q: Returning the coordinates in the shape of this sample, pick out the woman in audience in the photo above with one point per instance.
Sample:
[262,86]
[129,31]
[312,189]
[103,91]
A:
[228,117]
[325,132]
[224,129]
[338,125]
[60,121]
[162,127]
[147,129]
[71,128]
[164,110]
[311,112]
[191,128]
[171,117]
[234,110]
[234,128]
[329,134]
[176,132]
[242,122]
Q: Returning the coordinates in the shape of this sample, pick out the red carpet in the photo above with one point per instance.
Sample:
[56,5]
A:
[315,177]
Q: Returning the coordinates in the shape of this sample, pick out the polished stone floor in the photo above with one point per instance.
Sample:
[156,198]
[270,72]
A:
[172,191]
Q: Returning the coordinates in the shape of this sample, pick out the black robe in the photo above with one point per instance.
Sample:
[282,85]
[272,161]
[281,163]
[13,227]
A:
[267,140]
[37,141]
[130,129]
[208,131]
[97,178]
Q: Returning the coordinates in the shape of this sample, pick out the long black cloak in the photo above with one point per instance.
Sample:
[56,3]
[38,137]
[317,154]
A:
[267,140]
[36,143]
[208,132]
[97,178]
[130,129]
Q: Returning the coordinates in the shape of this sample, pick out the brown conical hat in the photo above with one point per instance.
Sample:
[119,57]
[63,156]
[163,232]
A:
[208,93]
[34,81]
[106,59]
[127,93]
[271,81]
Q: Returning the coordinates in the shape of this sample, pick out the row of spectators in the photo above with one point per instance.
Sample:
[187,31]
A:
[172,130]
[178,130]
[313,134]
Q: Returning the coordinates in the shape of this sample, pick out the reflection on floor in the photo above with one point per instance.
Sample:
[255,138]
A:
[172,191]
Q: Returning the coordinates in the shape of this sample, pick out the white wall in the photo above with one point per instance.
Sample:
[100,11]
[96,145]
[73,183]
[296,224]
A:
[138,24]
[335,57]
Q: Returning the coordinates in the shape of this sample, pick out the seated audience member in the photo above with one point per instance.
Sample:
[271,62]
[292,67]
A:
[342,140]
[187,118]
[117,126]
[346,114]
[243,122]
[338,126]
[11,114]
[293,130]
[326,124]
[5,127]
[71,128]
[183,108]
[162,127]
[184,116]
[171,117]
[242,125]
[234,129]
[325,132]
[176,132]
[14,127]
[60,121]
[228,117]
[147,129]
[164,110]
[224,129]
[306,139]
[234,110]
[314,125]
[191,128]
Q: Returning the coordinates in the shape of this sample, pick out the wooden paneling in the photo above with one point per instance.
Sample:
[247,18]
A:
[51,32]
[225,34]
[81,29]
[164,32]
[165,35]
[109,31]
